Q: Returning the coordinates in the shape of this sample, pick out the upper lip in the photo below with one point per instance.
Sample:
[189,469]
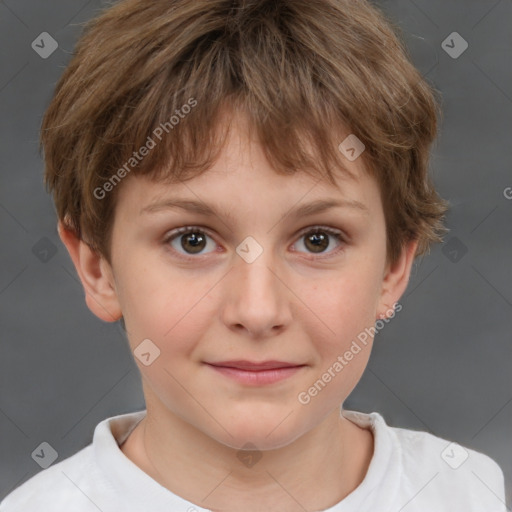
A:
[251,365]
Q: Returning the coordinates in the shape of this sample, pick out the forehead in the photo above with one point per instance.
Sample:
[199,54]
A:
[242,179]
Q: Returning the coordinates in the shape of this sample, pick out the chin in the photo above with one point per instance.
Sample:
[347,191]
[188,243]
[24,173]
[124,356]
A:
[260,435]
[255,442]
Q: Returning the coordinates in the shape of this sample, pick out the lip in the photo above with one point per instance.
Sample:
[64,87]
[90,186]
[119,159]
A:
[254,366]
[256,374]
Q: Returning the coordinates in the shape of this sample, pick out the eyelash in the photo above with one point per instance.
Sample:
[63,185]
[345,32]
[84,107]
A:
[311,229]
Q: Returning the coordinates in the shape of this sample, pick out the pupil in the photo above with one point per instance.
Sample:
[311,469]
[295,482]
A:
[195,240]
[319,242]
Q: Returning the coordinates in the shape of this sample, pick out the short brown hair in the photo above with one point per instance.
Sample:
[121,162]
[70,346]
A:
[300,69]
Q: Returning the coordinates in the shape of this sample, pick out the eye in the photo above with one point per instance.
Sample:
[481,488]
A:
[191,240]
[316,239]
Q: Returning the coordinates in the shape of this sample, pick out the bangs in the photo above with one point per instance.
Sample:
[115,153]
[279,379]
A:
[153,86]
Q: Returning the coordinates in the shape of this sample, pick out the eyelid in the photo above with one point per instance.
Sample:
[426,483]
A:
[184,229]
[320,227]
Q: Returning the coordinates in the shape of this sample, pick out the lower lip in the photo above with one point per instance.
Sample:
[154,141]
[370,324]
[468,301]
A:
[257,378]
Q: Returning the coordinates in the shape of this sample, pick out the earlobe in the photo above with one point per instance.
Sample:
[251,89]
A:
[95,274]
[396,279]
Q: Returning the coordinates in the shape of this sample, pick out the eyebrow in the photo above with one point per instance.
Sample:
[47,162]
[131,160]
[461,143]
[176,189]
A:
[317,206]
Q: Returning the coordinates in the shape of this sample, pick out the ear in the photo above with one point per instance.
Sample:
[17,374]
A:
[396,279]
[96,276]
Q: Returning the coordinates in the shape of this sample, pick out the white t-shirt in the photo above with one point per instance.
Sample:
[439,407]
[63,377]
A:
[410,471]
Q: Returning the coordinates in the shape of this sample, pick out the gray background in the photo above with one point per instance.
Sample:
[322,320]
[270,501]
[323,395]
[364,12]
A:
[443,363]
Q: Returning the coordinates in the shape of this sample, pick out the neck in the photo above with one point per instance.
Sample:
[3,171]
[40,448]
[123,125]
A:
[335,455]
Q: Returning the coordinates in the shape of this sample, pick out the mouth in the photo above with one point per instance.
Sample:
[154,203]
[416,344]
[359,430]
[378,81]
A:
[256,373]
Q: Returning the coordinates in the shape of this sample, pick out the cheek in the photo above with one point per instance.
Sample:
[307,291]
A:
[344,305]
[160,307]
[175,319]
[340,331]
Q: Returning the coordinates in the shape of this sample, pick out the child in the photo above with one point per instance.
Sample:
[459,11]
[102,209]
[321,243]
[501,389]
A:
[288,142]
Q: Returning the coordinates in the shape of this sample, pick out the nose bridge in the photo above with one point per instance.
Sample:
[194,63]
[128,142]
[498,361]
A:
[253,277]
[256,297]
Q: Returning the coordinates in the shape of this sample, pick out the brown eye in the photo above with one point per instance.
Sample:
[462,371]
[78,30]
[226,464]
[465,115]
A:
[318,240]
[191,241]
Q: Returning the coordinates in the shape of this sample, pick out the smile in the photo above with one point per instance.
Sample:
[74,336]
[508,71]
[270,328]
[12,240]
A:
[258,375]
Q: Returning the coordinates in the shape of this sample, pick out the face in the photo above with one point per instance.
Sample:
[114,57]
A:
[254,281]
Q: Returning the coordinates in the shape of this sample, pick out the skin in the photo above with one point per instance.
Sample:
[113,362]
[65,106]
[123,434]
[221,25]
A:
[290,304]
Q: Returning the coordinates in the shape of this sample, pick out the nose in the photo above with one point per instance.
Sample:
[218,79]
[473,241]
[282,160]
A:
[256,298]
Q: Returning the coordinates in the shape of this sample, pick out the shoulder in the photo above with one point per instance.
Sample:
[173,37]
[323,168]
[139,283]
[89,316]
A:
[67,482]
[452,473]
[86,481]
[424,449]
[419,471]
